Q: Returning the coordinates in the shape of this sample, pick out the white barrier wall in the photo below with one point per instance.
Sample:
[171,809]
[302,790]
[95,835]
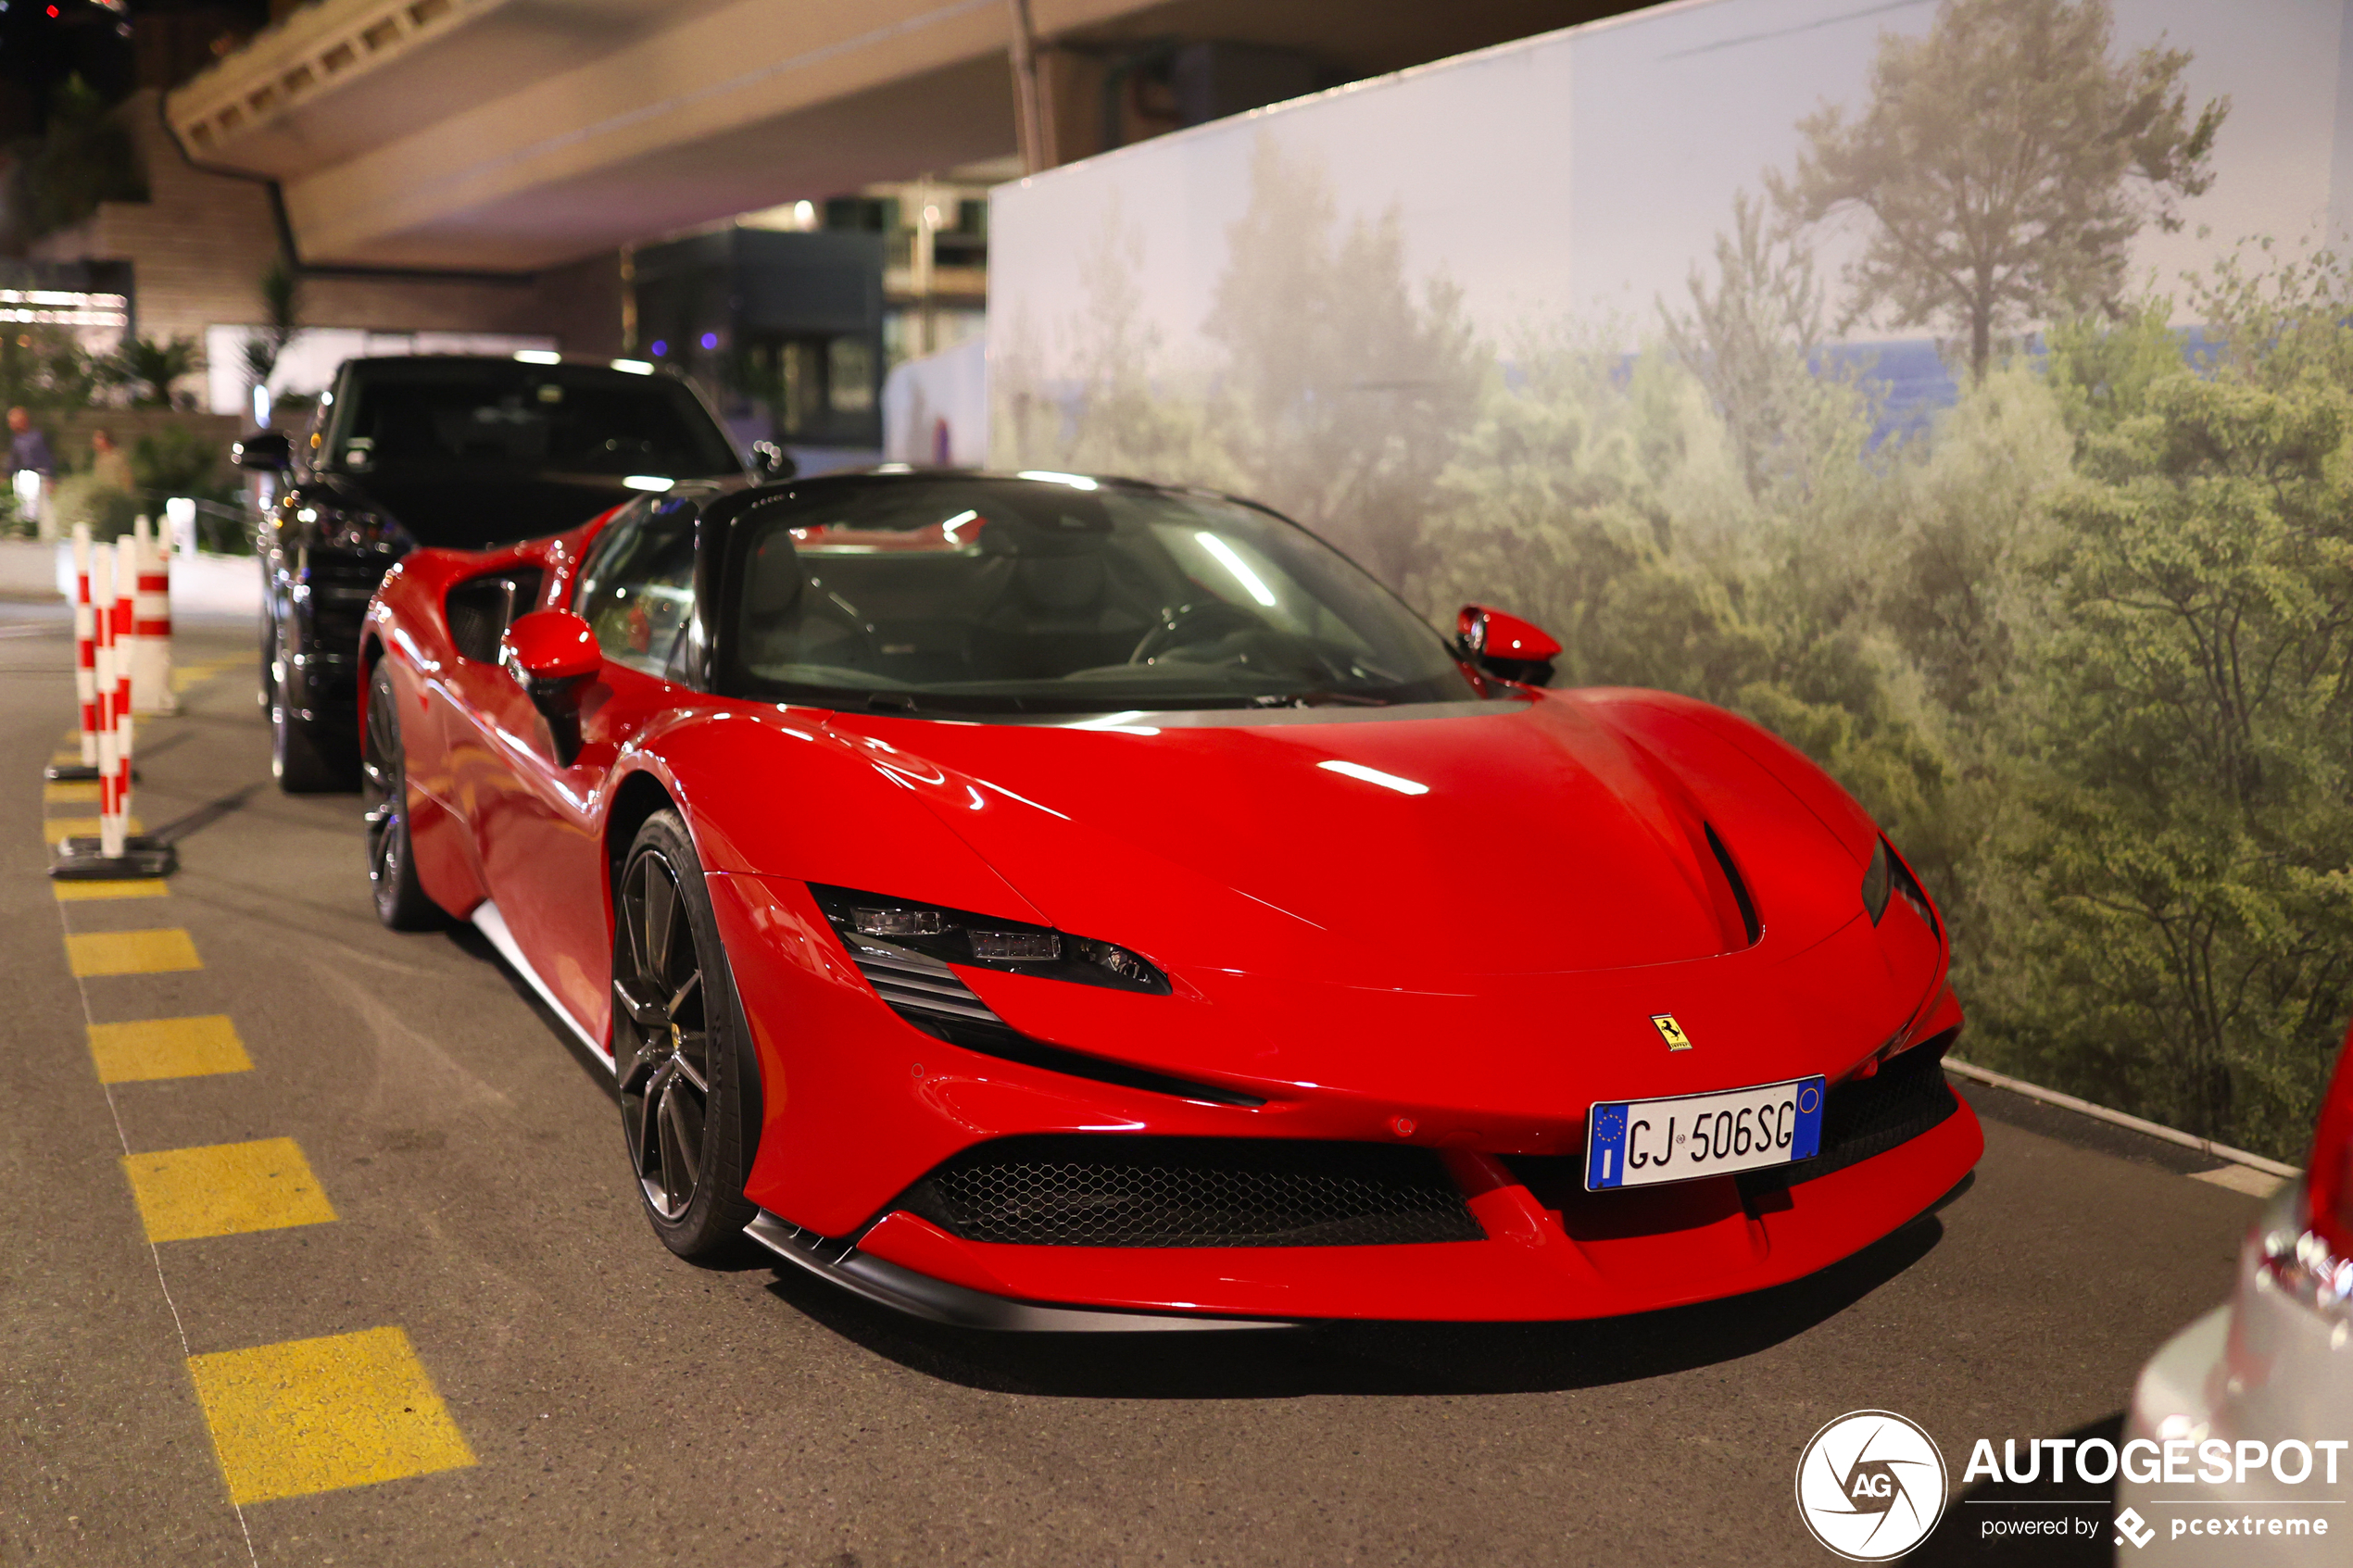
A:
[936,408]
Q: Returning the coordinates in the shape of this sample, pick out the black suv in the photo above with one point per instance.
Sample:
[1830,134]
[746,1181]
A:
[445,451]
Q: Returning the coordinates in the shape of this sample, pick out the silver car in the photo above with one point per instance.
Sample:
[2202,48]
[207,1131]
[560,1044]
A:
[2246,1417]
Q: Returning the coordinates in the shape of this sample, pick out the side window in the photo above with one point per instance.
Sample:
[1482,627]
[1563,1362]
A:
[637,592]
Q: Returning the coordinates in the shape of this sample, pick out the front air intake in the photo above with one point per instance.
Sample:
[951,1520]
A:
[1864,1117]
[1136,1191]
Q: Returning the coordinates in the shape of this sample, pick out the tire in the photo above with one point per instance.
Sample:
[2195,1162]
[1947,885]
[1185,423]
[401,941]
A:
[298,754]
[401,900]
[266,693]
[690,1102]
[306,758]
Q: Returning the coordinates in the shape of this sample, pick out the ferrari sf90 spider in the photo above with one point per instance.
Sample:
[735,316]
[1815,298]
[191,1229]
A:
[1056,902]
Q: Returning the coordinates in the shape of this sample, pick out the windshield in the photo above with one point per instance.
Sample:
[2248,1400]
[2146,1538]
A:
[1044,595]
[502,415]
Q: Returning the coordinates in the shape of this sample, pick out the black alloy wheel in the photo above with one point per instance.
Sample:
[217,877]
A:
[401,902]
[689,1103]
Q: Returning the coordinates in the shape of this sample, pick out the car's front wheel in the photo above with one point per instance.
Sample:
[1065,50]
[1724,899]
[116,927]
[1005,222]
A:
[305,757]
[400,899]
[689,1084]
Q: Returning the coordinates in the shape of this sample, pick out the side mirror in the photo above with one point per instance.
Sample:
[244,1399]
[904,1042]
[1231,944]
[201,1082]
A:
[1505,646]
[551,654]
[771,464]
[268,450]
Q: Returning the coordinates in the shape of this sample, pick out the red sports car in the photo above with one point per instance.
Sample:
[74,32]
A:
[1042,901]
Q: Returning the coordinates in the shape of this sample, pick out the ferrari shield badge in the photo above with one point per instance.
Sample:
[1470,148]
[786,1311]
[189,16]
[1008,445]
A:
[1670,1032]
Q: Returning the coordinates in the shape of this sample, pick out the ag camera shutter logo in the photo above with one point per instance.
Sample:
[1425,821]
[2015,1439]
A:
[1870,1485]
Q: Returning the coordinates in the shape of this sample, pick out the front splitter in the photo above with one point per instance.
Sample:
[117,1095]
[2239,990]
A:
[937,1300]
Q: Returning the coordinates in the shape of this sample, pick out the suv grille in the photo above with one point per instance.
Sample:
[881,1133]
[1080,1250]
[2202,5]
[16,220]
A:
[1130,1191]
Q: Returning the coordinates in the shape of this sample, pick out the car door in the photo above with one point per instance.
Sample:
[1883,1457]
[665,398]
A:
[536,826]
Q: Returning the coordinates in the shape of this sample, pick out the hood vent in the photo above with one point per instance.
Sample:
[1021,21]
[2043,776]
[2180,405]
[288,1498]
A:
[1750,923]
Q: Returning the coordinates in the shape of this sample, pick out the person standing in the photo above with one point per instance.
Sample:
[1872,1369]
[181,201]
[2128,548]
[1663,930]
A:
[29,453]
[108,465]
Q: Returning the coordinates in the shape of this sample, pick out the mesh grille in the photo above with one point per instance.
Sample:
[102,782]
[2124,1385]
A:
[1870,1116]
[1193,1192]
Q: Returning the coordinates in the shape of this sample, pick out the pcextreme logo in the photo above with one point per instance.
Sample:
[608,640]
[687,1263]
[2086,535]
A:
[1870,1485]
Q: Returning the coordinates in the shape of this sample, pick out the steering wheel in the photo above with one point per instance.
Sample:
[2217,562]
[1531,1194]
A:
[1196,622]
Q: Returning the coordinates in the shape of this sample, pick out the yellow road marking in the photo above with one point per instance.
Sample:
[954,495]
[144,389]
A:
[55,829]
[225,1189]
[73,792]
[318,1415]
[71,758]
[129,887]
[187,675]
[160,951]
[167,1048]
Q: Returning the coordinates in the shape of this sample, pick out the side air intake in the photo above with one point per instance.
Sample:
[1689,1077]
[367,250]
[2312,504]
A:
[927,994]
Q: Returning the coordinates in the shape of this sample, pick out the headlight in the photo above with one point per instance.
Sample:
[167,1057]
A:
[1886,874]
[1876,884]
[959,936]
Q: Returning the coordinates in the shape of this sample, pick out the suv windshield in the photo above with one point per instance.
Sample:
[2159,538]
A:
[502,415]
[1064,595]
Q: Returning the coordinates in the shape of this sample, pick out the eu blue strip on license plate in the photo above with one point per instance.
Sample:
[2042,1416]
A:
[1645,1142]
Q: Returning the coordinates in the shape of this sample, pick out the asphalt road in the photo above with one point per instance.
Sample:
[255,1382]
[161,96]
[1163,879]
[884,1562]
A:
[565,1392]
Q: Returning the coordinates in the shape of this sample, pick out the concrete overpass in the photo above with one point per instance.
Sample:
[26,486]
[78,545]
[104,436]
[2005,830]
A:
[512,136]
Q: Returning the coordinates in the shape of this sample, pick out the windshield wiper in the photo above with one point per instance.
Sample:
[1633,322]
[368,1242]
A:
[1325,700]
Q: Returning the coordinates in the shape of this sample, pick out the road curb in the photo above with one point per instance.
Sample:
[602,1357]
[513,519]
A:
[2118,1119]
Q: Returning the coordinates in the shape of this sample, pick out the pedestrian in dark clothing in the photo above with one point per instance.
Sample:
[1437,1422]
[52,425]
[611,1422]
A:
[28,448]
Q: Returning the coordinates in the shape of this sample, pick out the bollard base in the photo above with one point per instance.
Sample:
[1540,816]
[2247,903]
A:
[76,772]
[84,860]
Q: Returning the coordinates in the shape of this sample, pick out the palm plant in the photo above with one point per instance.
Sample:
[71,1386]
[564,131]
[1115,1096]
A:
[149,367]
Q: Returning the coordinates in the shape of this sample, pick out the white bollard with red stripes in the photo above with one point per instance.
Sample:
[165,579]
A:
[126,647]
[110,826]
[85,678]
[85,648]
[115,853]
[151,625]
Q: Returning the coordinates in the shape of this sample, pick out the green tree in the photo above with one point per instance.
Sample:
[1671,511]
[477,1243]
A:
[1347,387]
[1753,337]
[2197,814]
[85,157]
[2003,164]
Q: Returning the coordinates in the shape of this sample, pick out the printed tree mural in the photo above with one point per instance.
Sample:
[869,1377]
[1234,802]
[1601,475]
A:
[2083,646]
[2003,164]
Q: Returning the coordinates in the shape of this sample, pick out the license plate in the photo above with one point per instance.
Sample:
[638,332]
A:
[1632,1143]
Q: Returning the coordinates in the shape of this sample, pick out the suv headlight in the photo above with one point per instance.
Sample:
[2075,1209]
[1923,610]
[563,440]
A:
[359,532]
[987,941]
